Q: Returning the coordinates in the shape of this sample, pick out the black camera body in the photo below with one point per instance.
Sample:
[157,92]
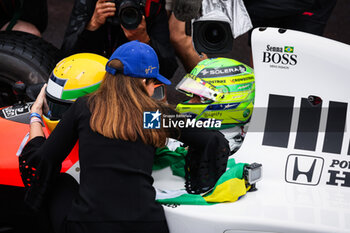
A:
[212,36]
[252,173]
[128,13]
[212,32]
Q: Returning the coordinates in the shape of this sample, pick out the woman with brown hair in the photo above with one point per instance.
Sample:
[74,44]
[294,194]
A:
[125,119]
[116,153]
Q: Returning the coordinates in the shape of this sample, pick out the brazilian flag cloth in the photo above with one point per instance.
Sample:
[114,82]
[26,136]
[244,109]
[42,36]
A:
[229,188]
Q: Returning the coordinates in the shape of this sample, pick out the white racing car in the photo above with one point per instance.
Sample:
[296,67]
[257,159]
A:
[299,132]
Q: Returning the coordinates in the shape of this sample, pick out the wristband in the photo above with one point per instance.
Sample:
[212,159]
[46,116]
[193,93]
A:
[36,119]
[34,114]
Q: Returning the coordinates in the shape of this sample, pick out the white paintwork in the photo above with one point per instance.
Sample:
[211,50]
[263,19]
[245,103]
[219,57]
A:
[323,69]
[54,89]
[74,171]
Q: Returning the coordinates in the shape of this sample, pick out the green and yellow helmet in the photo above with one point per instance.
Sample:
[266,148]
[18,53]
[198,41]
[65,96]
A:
[226,89]
[73,77]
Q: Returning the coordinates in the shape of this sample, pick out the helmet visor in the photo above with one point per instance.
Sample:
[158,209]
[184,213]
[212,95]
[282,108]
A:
[192,85]
[56,107]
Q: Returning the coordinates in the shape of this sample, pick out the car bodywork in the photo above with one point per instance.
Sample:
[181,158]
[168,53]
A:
[299,132]
[14,126]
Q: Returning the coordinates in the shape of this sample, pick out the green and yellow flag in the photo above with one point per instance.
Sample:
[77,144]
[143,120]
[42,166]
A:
[229,188]
[288,49]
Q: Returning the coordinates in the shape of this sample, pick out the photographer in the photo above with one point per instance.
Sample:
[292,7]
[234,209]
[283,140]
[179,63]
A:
[100,26]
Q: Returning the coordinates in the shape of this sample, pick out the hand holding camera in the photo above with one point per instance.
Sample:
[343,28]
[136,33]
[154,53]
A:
[140,33]
[128,13]
[103,10]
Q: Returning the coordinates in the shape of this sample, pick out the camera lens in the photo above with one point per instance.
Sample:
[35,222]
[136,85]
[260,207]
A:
[130,14]
[130,18]
[214,34]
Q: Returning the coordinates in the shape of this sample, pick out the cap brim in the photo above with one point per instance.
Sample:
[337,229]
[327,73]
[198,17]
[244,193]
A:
[163,79]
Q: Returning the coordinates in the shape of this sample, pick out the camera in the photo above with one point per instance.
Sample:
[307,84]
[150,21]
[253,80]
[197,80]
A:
[212,36]
[252,173]
[129,13]
[211,32]
[220,23]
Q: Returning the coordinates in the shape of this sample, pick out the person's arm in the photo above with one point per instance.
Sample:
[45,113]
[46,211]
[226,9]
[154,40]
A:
[158,31]
[208,152]
[85,29]
[43,158]
[103,10]
[79,17]
[36,123]
[183,44]
[140,33]
[206,160]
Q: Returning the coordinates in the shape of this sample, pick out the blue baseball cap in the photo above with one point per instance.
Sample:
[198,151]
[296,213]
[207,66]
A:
[139,61]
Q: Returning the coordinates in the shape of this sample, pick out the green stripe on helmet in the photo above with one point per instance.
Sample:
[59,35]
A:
[73,94]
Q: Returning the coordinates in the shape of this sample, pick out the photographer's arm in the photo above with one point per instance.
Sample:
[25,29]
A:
[183,44]
[103,10]
[158,31]
[84,31]
[206,160]
[139,33]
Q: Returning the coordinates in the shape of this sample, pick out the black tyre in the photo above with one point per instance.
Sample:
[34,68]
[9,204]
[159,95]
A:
[23,57]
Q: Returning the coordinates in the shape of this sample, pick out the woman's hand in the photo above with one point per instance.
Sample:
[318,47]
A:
[139,33]
[39,106]
[40,103]
[103,10]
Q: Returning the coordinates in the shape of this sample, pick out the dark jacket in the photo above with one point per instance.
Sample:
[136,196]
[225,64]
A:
[115,175]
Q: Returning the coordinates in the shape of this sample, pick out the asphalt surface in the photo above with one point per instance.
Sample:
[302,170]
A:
[337,29]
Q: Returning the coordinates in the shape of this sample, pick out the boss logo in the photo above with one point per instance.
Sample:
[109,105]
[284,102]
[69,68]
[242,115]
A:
[303,169]
[280,56]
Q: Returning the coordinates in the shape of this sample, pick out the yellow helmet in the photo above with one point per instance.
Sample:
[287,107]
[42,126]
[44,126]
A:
[73,77]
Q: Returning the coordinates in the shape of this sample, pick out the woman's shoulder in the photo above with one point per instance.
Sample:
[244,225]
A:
[79,109]
[82,100]
[81,103]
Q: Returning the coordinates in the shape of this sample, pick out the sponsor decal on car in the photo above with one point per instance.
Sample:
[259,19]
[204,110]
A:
[281,57]
[16,111]
[304,169]
[329,163]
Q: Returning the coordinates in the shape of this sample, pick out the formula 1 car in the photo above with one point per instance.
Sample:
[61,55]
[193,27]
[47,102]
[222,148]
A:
[298,132]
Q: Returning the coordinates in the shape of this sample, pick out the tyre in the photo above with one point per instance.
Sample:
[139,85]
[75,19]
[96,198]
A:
[23,57]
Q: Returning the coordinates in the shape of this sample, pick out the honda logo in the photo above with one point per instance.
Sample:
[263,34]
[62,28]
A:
[304,169]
